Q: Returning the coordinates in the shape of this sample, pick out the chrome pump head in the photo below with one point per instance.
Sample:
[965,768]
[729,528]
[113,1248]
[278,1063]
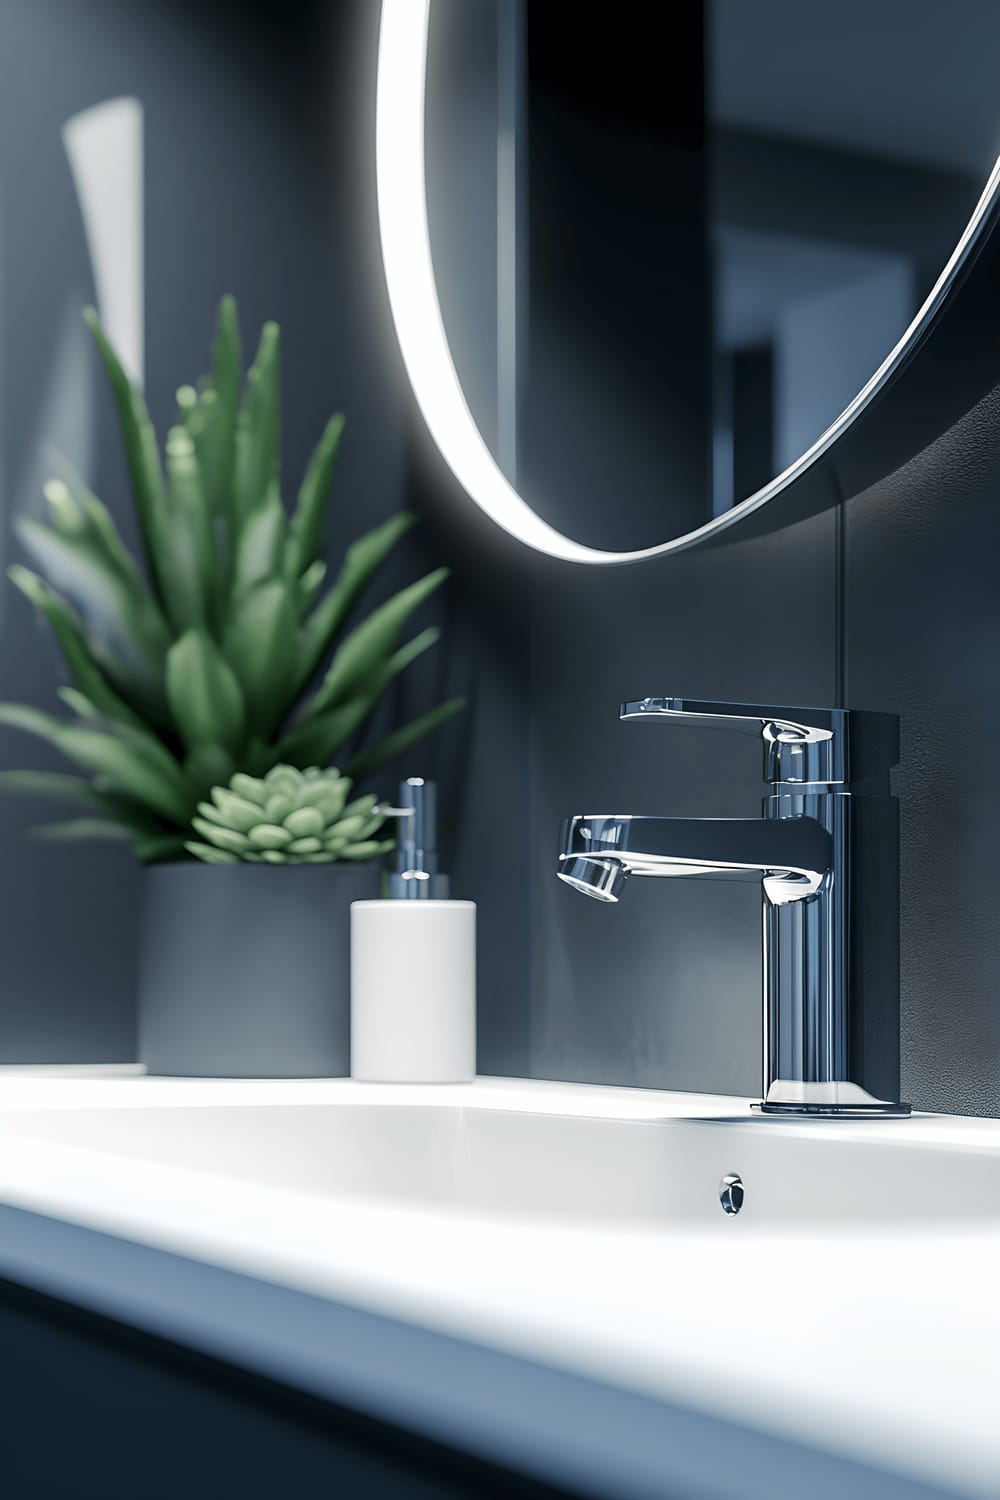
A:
[416,876]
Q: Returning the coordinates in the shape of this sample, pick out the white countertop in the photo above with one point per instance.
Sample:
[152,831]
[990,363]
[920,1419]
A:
[882,1345]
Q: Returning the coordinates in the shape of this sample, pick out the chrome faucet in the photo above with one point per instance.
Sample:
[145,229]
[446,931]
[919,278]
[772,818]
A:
[826,854]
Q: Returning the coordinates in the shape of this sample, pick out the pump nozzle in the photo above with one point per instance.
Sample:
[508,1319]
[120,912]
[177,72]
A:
[416,874]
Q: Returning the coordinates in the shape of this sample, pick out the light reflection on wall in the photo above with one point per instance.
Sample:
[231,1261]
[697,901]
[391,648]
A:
[104,147]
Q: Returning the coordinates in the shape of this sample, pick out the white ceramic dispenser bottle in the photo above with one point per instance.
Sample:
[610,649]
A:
[413,964]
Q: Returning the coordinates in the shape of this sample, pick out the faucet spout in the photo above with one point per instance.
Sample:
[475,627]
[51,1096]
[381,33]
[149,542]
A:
[791,857]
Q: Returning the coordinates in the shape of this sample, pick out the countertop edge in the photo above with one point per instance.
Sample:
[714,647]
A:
[558,1426]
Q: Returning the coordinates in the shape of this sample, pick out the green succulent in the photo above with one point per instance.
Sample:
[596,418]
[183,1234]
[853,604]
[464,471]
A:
[227,653]
[288,817]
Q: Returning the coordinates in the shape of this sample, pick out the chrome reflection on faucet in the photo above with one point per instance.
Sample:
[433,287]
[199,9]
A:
[825,854]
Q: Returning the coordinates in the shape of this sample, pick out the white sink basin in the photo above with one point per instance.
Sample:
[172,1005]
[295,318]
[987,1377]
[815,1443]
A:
[850,1306]
[468,1157]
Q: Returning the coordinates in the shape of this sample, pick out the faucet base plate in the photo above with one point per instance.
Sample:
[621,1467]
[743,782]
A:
[878,1108]
[835,1097]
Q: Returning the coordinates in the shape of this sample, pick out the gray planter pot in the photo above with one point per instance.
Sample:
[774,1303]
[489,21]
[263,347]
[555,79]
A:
[245,969]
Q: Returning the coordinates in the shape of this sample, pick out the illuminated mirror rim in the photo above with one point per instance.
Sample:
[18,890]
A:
[423,341]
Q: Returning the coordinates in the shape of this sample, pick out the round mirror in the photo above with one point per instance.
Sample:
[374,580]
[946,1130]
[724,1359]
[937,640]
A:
[641,282]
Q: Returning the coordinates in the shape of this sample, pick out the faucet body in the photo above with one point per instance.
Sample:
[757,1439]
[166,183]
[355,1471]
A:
[825,854]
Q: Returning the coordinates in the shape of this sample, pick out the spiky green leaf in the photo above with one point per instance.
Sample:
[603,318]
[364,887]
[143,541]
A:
[78,514]
[316,738]
[187,544]
[126,624]
[206,767]
[361,806]
[48,784]
[154,780]
[85,673]
[305,540]
[361,561]
[310,584]
[259,644]
[363,652]
[394,744]
[227,357]
[140,446]
[260,549]
[258,431]
[205,697]
[80,704]
[211,417]
[137,823]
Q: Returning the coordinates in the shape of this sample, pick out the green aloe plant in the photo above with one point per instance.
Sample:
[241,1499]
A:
[229,653]
[288,817]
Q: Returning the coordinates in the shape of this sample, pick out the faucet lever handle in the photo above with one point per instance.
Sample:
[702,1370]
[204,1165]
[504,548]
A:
[801,745]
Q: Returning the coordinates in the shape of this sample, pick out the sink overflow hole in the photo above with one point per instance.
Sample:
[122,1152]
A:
[731,1193]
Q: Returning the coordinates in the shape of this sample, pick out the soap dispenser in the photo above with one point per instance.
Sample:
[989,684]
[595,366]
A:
[413,963]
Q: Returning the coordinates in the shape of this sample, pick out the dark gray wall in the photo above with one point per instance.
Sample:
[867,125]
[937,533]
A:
[483,760]
[923,639]
[664,988]
[260,181]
